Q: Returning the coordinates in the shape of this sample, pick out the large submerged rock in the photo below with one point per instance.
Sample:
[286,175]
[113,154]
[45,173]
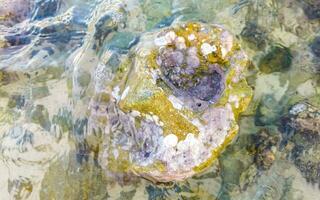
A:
[173,104]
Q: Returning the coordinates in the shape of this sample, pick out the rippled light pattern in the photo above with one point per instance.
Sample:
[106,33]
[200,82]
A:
[159,99]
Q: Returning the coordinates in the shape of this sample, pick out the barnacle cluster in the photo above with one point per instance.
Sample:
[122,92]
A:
[174,102]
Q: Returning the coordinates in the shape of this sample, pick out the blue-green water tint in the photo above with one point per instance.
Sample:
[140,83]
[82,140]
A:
[46,153]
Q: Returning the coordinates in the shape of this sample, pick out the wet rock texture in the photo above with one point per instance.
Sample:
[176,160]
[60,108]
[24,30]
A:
[178,107]
[263,149]
[302,128]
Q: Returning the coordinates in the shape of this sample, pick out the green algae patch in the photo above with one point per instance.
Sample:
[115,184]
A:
[278,59]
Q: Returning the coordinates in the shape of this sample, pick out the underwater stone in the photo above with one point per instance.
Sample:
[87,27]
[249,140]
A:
[254,35]
[278,59]
[152,109]
[309,165]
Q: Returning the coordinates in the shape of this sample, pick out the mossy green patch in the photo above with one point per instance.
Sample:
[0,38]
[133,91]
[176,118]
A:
[278,59]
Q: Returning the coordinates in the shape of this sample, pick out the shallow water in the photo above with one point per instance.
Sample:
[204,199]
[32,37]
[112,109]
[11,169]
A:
[50,53]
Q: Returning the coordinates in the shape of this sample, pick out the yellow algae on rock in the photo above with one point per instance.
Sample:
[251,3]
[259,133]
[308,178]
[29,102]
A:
[156,103]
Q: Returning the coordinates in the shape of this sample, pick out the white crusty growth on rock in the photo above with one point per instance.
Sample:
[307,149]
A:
[206,49]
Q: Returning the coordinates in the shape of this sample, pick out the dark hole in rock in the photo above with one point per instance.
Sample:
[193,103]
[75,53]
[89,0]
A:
[209,88]
[203,84]
[147,154]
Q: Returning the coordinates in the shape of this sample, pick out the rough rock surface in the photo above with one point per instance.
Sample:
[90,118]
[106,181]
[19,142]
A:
[173,106]
[301,129]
